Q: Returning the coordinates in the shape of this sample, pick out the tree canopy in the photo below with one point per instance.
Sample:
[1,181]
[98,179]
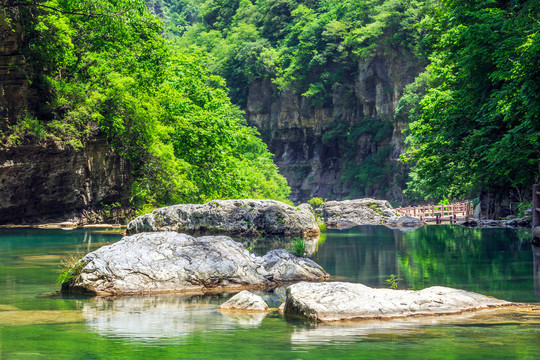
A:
[103,66]
[476,111]
[308,46]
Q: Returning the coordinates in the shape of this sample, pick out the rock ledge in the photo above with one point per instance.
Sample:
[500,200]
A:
[231,217]
[348,213]
[339,301]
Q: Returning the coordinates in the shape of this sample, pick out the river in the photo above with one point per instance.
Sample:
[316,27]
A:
[37,323]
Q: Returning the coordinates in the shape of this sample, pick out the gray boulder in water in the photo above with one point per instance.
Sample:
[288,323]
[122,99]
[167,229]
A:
[231,217]
[350,213]
[337,301]
[171,262]
[404,223]
[244,301]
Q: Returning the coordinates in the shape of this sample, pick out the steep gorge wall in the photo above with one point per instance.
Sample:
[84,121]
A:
[38,183]
[48,183]
[295,131]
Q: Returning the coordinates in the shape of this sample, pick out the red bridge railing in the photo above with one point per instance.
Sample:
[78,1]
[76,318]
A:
[452,212]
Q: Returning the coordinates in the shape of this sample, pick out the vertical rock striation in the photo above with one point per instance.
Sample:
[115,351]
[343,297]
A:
[295,131]
[37,182]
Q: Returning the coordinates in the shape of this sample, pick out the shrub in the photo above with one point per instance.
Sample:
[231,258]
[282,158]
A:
[71,267]
[316,202]
[298,247]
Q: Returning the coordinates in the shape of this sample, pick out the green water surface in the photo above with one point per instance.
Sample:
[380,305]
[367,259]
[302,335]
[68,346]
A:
[35,323]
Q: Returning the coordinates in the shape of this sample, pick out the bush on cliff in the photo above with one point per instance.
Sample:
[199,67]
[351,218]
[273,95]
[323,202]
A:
[103,66]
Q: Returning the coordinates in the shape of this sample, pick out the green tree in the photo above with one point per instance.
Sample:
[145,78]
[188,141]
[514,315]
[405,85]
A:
[476,122]
[104,68]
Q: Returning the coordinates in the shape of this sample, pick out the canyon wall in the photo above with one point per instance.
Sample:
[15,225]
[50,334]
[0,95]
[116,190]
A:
[39,183]
[299,134]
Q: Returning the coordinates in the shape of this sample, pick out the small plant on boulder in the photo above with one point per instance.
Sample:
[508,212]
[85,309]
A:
[298,247]
[316,202]
[70,268]
[393,281]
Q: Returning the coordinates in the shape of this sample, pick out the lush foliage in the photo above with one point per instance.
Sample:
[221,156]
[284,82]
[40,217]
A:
[316,202]
[393,281]
[103,67]
[475,112]
[311,47]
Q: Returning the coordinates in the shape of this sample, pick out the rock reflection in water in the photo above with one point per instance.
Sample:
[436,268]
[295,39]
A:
[164,316]
[340,332]
[536,266]
[261,245]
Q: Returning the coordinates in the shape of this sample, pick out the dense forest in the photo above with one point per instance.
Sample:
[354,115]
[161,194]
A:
[165,82]
[104,66]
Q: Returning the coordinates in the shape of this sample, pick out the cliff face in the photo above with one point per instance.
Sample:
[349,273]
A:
[48,183]
[303,138]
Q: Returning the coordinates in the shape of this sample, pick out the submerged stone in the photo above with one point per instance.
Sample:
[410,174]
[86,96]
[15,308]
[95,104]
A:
[404,223]
[171,262]
[338,301]
[244,301]
[231,217]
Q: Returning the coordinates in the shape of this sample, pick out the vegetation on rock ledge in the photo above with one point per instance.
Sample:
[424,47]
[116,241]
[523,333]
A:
[103,66]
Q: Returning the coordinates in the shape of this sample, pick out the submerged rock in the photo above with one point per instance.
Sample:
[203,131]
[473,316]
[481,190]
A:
[525,221]
[245,301]
[230,217]
[404,223]
[348,301]
[171,262]
[350,213]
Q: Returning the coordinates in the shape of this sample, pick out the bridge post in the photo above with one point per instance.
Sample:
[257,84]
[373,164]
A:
[536,213]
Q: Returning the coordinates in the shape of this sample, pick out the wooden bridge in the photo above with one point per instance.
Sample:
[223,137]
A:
[453,212]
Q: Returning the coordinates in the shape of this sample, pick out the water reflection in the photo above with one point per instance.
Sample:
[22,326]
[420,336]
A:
[163,316]
[495,262]
[261,245]
[536,265]
[343,332]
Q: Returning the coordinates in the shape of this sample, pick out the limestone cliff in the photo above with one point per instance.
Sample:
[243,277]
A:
[299,134]
[47,183]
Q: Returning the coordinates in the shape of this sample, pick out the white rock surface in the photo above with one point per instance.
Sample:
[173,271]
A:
[231,217]
[349,213]
[171,262]
[245,301]
[334,301]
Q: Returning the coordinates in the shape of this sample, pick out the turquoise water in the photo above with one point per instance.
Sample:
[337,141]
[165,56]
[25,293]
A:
[36,323]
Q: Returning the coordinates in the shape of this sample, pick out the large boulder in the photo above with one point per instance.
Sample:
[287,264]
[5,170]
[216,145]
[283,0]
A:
[171,262]
[348,301]
[231,217]
[349,213]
